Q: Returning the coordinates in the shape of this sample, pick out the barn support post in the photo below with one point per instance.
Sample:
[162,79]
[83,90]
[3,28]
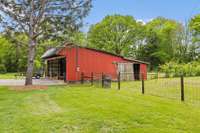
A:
[119,80]
[102,77]
[92,78]
[182,89]
[82,78]
[143,91]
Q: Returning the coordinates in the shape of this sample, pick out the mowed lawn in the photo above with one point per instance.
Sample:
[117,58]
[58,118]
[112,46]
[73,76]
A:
[85,109]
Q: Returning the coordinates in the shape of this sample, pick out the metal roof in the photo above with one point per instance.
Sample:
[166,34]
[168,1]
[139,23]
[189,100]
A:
[54,52]
[51,53]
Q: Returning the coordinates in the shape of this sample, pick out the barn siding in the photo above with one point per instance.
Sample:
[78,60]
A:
[143,70]
[91,61]
[70,54]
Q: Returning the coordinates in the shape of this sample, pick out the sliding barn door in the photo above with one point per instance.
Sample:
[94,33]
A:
[126,70]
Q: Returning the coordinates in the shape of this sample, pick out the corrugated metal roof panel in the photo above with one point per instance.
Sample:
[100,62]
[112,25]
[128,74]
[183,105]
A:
[51,53]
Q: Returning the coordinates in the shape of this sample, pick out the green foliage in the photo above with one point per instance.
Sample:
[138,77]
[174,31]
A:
[2,69]
[161,41]
[176,69]
[13,54]
[156,42]
[13,51]
[37,64]
[116,34]
[195,26]
[78,38]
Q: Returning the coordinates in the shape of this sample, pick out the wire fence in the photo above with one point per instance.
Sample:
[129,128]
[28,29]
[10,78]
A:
[164,87]
[179,88]
[192,89]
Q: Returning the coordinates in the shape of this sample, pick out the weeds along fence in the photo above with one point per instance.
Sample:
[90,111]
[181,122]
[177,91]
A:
[179,87]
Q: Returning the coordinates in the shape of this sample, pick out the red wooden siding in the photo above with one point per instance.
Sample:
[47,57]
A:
[91,61]
[143,70]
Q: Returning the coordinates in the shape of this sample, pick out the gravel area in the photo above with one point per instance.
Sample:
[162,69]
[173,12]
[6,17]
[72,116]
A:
[19,82]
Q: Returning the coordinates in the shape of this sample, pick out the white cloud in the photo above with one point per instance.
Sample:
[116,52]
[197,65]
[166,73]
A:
[144,21]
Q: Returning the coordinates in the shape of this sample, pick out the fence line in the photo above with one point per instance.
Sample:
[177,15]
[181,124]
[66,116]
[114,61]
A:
[179,88]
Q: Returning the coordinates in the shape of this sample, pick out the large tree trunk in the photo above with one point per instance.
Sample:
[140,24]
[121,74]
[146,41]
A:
[31,57]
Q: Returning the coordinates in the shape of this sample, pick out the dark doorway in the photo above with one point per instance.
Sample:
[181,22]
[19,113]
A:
[57,69]
[62,65]
[136,69]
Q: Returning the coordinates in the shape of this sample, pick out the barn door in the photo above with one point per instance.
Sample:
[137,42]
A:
[126,70]
[136,68]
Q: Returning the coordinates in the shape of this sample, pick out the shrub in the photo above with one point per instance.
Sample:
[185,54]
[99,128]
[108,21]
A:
[2,69]
[173,69]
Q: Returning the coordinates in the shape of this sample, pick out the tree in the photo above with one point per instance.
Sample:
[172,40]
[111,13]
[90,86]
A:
[194,25]
[42,19]
[160,41]
[16,61]
[186,51]
[116,34]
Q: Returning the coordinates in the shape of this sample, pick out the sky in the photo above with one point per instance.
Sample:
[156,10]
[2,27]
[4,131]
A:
[145,10]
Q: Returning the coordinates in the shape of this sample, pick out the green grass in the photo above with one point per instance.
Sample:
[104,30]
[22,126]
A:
[84,109]
[7,76]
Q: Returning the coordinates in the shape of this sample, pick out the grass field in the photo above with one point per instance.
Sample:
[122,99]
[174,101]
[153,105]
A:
[8,76]
[84,109]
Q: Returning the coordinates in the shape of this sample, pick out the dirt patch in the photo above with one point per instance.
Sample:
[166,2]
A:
[28,88]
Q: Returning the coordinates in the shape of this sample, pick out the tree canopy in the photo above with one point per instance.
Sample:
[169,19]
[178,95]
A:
[156,41]
[116,34]
[161,41]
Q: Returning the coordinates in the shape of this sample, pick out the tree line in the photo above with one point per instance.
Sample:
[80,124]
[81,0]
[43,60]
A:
[158,41]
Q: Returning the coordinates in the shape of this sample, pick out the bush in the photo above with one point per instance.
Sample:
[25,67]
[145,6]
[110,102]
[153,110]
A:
[2,69]
[173,69]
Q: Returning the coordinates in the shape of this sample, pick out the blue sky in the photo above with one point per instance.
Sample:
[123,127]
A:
[180,10]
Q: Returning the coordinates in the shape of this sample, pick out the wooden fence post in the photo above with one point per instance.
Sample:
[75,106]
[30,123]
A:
[82,78]
[119,80]
[182,89]
[92,78]
[102,77]
[143,83]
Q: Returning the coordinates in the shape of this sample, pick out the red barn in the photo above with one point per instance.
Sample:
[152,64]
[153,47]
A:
[68,62]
